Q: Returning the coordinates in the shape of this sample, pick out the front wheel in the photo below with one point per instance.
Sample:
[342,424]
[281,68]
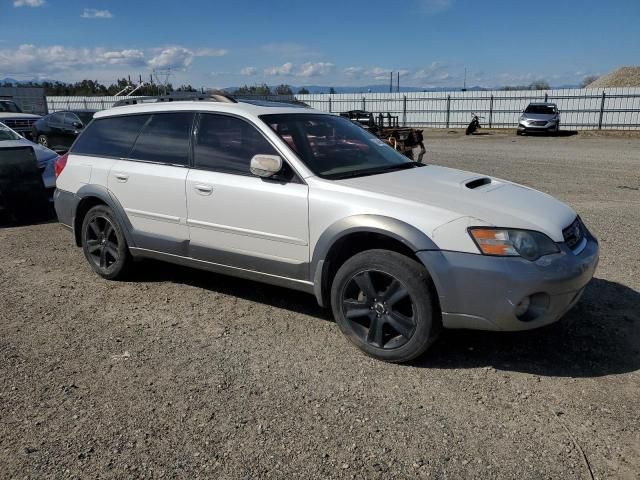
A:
[104,244]
[382,302]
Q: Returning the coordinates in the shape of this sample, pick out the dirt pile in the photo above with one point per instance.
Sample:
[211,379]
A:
[622,77]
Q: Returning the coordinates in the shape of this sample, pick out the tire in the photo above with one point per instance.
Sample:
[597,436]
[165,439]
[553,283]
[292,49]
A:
[400,322]
[104,244]
[518,132]
[43,140]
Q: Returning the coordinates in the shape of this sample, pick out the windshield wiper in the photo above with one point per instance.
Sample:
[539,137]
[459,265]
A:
[377,170]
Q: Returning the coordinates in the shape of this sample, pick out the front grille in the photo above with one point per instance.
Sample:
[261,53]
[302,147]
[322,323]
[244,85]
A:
[573,234]
[20,123]
[539,123]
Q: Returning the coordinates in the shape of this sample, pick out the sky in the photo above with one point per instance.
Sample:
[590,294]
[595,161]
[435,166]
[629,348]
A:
[213,44]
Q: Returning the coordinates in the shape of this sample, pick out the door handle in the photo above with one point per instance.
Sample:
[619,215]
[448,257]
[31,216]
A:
[122,177]
[203,189]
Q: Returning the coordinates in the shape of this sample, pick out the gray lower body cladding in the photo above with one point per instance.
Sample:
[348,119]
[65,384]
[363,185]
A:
[481,292]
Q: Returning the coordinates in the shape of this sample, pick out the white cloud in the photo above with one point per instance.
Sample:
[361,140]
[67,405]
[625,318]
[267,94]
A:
[73,62]
[29,59]
[248,71]
[93,13]
[283,70]
[28,3]
[353,72]
[181,57]
[310,69]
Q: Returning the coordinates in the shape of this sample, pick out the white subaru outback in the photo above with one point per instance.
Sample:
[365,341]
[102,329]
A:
[311,201]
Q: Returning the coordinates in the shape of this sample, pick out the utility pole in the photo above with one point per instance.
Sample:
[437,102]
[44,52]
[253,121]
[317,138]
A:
[464,87]
[398,90]
[390,82]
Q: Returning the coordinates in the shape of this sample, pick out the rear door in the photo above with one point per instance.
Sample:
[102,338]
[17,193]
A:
[236,218]
[150,183]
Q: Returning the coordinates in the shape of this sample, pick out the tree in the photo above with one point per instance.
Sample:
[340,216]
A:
[283,90]
[263,90]
[332,90]
[303,91]
[588,80]
[539,85]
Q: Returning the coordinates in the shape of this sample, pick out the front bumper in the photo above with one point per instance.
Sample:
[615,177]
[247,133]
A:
[481,292]
[528,126]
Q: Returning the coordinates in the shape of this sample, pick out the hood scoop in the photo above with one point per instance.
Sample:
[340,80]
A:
[477,183]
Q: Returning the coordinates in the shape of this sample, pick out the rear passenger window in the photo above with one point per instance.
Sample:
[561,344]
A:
[227,144]
[110,137]
[165,139]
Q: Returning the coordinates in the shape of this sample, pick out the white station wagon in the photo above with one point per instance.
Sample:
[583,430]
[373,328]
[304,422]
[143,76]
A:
[311,201]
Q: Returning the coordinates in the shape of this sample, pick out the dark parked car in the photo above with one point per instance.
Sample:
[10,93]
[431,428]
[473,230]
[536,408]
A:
[58,130]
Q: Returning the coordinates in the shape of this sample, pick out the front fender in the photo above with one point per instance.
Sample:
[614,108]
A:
[409,235]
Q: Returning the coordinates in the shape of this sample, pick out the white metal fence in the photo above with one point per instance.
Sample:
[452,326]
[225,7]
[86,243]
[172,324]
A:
[581,109]
[610,108]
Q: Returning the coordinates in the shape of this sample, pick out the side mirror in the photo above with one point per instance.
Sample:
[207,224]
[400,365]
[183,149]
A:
[265,166]
[78,124]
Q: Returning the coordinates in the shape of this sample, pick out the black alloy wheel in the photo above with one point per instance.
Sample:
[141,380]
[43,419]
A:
[380,309]
[104,244]
[383,302]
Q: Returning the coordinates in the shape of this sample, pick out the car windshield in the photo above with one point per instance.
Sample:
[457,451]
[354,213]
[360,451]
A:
[334,147]
[8,134]
[541,109]
[85,117]
[9,107]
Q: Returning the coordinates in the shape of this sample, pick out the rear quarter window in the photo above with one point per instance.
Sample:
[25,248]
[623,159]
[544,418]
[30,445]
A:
[111,136]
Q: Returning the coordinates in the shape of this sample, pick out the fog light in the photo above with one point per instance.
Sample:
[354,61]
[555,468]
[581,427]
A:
[522,307]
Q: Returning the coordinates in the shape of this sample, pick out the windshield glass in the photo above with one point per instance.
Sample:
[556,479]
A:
[334,147]
[8,134]
[541,109]
[7,106]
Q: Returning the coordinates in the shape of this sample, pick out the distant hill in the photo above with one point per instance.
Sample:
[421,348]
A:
[622,77]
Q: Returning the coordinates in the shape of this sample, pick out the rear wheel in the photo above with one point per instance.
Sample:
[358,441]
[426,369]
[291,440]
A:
[104,244]
[382,302]
[43,140]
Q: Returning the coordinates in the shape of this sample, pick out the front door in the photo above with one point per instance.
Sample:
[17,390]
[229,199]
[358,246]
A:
[236,218]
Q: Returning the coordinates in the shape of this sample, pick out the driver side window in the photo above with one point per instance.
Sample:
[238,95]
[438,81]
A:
[227,144]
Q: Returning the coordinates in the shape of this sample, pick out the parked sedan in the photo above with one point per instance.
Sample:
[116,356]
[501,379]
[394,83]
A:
[539,117]
[46,158]
[59,130]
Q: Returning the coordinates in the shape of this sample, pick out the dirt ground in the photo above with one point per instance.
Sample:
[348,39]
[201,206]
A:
[184,374]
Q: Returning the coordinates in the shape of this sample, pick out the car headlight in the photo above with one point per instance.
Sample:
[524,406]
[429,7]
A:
[505,242]
[523,117]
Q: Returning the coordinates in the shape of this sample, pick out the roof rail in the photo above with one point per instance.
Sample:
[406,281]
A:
[214,97]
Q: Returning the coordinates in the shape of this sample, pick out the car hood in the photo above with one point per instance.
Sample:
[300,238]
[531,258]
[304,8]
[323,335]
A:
[43,154]
[13,115]
[540,116]
[497,202]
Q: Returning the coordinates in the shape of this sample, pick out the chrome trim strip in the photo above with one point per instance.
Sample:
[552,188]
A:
[152,215]
[249,233]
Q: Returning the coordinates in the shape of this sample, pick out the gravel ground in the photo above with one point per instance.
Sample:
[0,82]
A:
[184,374]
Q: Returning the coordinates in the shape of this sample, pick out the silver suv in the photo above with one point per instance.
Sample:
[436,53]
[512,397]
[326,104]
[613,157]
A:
[311,201]
[539,117]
